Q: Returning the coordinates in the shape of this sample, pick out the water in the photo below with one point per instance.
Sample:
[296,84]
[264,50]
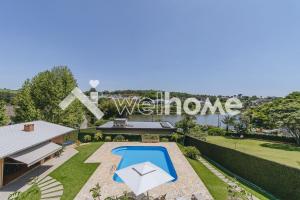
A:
[212,119]
[157,155]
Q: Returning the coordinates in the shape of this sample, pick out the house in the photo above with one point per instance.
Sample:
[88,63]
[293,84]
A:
[123,126]
[27,145]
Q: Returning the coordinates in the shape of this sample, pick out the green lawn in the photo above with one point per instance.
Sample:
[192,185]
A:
[75,173]
[279,152]
[33,193]
[216,187]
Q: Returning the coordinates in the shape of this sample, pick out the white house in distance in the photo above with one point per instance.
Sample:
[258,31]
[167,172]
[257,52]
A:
[27,145]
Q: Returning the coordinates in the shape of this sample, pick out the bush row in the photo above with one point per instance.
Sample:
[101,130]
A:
[280,180]
[82,136]
[271,138]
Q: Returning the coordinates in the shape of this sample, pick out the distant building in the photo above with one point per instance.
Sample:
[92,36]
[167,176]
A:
[123,126]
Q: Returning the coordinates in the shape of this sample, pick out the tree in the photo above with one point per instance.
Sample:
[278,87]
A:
[279,113]
[3,117]
[25,107]
[197,132]
[186,123]
[292,124]
[40,98]
[228,121]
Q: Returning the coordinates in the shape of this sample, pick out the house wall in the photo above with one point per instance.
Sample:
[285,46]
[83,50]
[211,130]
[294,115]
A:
[1,172]
[137,132]
[58,140]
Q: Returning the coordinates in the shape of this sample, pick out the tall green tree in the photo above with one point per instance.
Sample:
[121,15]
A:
[44,93]
[3,117]
[280,113]
[25,108]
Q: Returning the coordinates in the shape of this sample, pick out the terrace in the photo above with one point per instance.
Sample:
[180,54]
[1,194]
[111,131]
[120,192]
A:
[188,182]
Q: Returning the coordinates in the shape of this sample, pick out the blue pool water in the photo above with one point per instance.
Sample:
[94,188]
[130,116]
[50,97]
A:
[157,155]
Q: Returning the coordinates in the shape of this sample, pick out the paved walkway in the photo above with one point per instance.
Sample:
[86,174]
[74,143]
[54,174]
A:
[41,172]
[188,182]
[221,176]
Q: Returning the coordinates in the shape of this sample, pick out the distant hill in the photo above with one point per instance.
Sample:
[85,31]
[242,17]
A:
[153,94]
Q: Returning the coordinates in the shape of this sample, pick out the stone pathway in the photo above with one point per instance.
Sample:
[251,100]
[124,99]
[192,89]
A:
[221,176]
[50,188]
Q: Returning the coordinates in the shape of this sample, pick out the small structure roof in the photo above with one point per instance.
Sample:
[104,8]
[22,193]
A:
[14,139]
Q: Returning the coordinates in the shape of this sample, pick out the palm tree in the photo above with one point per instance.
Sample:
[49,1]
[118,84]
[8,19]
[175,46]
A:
[228,121]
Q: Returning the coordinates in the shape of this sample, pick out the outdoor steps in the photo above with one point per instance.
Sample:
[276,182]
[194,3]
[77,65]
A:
[50,188]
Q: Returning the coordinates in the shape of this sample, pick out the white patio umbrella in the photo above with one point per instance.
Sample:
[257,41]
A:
[143,177]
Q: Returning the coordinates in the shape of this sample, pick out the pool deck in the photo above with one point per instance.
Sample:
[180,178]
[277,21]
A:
[188,182]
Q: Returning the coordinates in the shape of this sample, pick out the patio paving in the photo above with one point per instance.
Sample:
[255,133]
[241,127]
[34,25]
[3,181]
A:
[188,182]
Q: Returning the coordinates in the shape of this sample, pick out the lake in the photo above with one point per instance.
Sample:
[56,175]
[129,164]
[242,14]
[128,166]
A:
[212,119]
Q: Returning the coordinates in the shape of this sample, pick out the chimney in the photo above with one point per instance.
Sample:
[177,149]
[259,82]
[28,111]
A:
[29,127]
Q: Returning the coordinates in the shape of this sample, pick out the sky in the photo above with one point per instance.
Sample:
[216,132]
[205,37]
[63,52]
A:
[195,46]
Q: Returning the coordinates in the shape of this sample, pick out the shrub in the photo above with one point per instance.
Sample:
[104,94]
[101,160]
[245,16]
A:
[164,140]
[98,136]
[119,138]
[107,139]
[198,133]
[87,138]
[177,137]
[191,152]
[216,131]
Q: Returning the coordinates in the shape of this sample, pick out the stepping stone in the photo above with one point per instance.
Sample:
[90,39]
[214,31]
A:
[50,186]
[45,179]
[52,194]
[52,198]
[54,189]
[47,183]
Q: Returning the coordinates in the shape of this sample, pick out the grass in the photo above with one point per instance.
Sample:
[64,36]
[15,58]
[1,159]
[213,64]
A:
[259,194]
[216,187]
[74,173]
[33,193]
[287,154]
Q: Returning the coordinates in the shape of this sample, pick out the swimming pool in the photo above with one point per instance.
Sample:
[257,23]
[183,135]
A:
[157,155]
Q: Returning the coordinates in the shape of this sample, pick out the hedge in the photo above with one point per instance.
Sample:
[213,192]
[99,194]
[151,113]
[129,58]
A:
[280,180]
[271,138]
[129,137]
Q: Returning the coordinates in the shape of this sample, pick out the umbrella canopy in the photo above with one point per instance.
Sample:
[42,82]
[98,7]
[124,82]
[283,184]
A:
[143,177]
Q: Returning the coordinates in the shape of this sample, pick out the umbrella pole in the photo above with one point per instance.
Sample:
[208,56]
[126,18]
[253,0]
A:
[148,196]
